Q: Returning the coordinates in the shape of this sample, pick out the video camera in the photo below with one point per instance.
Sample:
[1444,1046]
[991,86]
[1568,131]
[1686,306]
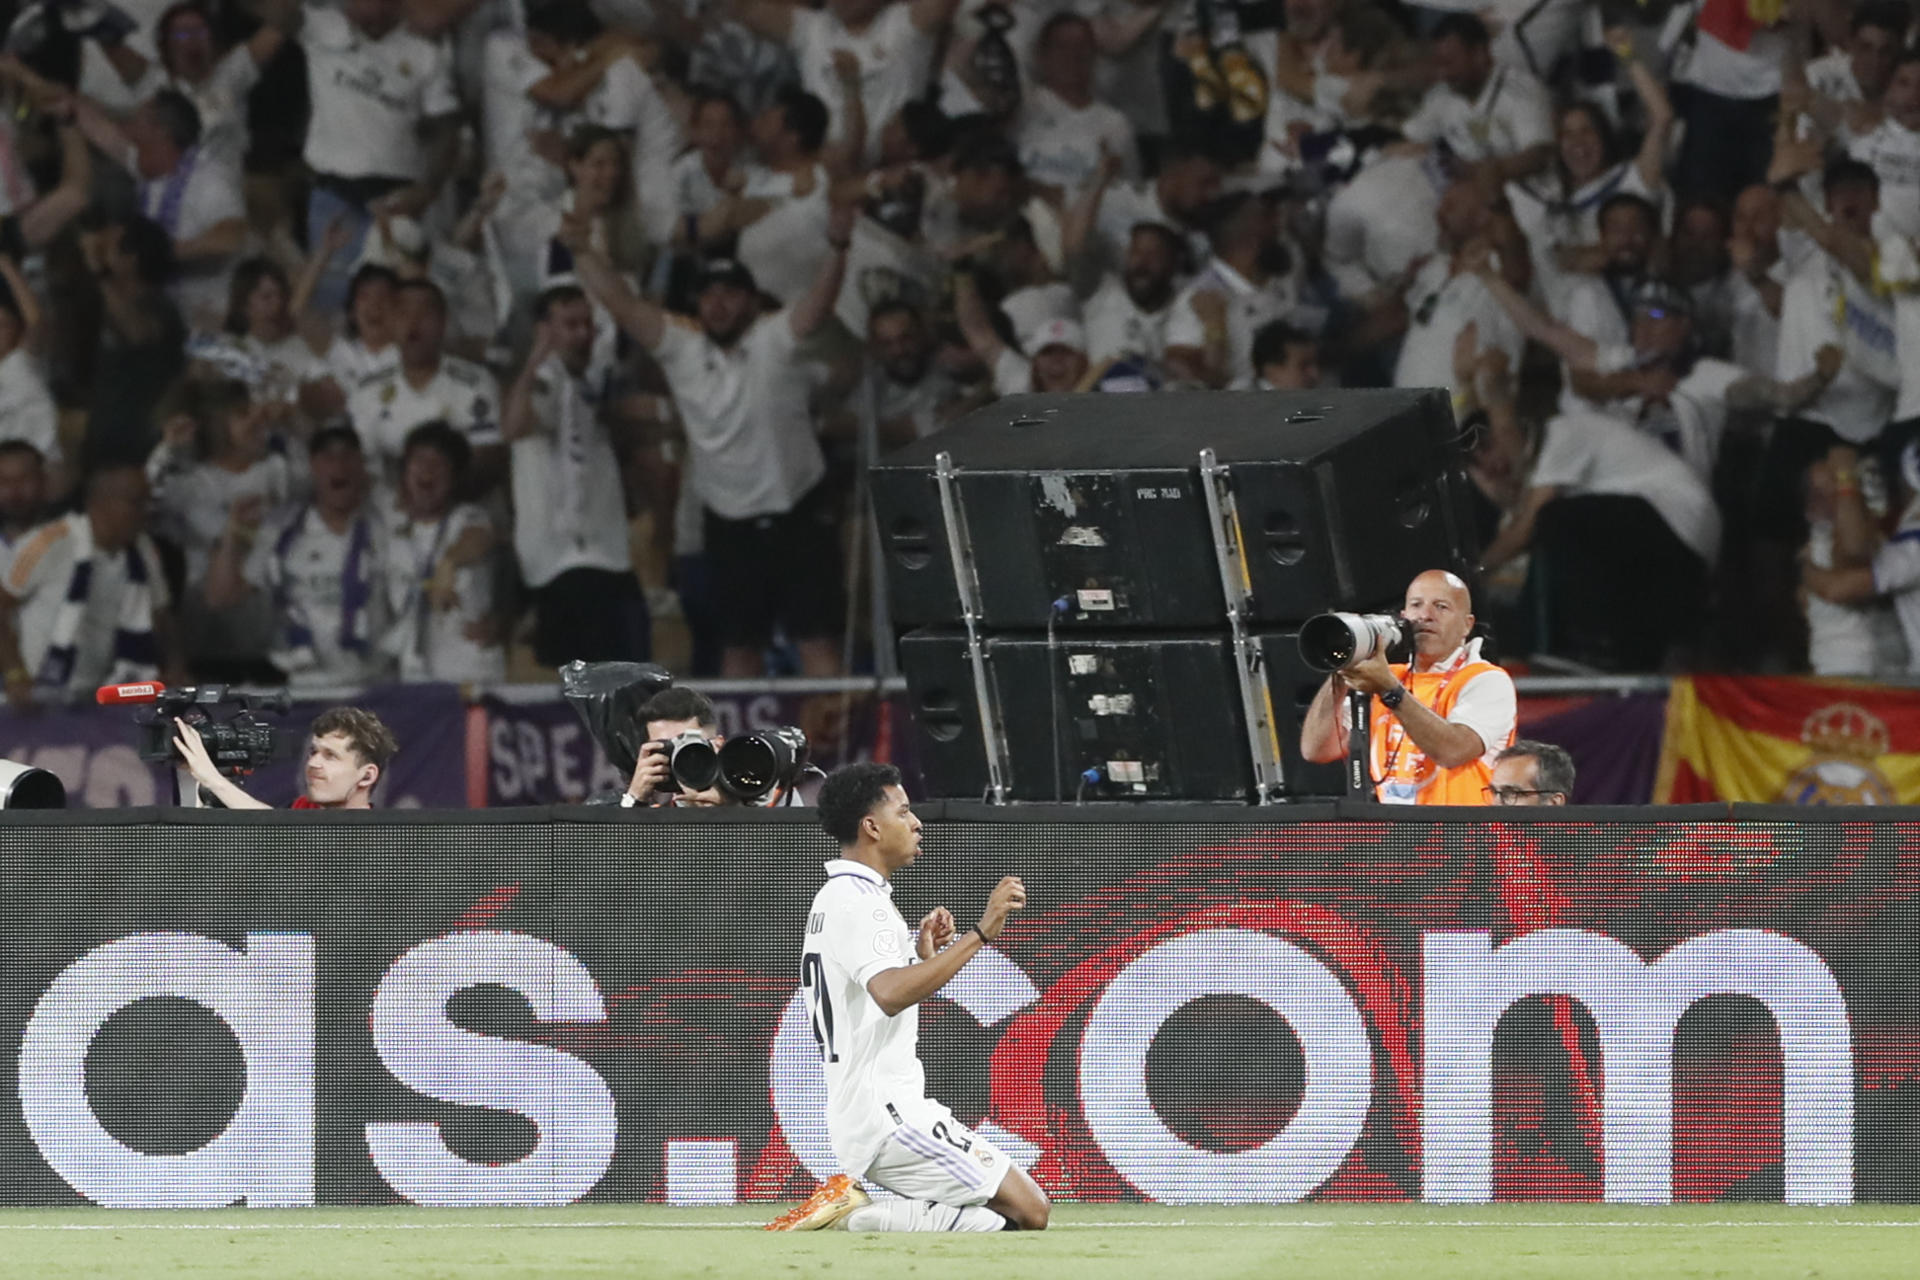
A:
[1330,641]
[238,742]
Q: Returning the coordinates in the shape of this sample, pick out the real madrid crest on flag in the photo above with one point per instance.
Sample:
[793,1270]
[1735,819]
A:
[1776,740]
[1846,741]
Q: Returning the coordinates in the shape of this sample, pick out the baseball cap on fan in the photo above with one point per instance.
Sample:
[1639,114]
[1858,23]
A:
[1057,332]
[725,271]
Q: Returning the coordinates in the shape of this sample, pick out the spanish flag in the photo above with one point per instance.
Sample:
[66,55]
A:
[1788,741]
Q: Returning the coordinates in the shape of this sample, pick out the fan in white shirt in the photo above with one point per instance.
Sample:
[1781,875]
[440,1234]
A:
[1055,349]
[384,125]
[190,191]
[1862,638]
[518,136]
[368,347]
[1893,151]
[439,571]
[84,601]
[714,165]
[1847,78]
[907,394]
[218,83]
[427,385]
[1665,390]
[781,213]
[599,194]
[260,324]
[1381,226]
[27,411]
[217,454]
[23,495]
[564,466]
[1445,296]
[382,96]
[743,390]
[1497,118]
[1597,305]
[1064,129]
[1559,210]
[1764,258]
[592,76]
[1180,197]
[1865,565]
[1853,291]
[322,565]
[894,44]
[1210,334]
[1128,314]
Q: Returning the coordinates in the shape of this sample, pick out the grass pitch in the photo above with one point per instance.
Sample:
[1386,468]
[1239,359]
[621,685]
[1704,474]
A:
[1393,1242]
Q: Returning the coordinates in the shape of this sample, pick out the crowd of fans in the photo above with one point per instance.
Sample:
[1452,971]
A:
[443,339]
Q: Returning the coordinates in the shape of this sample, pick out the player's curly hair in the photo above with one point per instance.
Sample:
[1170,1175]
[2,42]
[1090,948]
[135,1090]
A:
[850,794]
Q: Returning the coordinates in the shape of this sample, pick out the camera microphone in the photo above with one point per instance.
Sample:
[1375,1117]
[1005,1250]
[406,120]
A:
[114,695]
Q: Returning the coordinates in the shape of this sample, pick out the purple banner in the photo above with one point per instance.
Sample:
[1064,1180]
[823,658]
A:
[539,753]
[1615,744]
[91,750]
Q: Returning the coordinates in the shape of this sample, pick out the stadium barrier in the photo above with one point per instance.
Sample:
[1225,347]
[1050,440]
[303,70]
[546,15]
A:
[541,1006]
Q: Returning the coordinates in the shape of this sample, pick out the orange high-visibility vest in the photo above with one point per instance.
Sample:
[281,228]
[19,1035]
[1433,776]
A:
[1402,772]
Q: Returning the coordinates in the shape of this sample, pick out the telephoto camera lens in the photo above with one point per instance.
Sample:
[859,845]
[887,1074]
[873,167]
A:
[692,763]
[1330,641]
[756,763]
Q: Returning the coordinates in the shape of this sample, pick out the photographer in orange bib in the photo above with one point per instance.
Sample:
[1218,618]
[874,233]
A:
[1438,723]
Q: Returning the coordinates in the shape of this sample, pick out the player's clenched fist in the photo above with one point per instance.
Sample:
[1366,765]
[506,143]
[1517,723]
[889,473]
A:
[1008,897]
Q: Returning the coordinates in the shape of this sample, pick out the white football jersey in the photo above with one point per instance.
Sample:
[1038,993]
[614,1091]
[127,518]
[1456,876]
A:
[873,1070]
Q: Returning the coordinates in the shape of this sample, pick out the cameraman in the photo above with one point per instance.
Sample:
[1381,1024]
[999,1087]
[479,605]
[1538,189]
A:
[668,714]
[1436,725]
[347,752]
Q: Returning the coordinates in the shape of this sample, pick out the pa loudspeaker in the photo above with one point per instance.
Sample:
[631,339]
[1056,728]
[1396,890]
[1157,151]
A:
[1095,501]
[1155,716]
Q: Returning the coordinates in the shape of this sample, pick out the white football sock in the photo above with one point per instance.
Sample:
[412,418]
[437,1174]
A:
[922,1215]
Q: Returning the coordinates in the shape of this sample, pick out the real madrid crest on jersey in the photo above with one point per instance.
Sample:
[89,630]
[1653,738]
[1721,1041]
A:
[388,391]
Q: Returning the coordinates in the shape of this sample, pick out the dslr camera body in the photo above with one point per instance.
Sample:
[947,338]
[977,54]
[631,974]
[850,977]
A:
[238,742]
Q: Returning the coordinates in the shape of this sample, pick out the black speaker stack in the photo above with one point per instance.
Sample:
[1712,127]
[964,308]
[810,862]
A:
[1105,589]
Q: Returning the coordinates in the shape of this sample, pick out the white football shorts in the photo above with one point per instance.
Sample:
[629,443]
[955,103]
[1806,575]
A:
[932,1156]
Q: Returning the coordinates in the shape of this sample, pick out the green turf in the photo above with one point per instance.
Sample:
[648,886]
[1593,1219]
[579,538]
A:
[1396,1242]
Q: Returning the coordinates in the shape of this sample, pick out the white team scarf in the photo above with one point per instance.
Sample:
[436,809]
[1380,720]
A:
[135,653]
[576,418]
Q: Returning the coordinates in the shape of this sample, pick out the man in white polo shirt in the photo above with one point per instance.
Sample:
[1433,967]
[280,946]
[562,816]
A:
[427,386]
[384,125]
[743,390]
[1497,119]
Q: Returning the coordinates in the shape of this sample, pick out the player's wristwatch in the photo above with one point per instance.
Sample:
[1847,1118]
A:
[628,800]
[1393,697]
